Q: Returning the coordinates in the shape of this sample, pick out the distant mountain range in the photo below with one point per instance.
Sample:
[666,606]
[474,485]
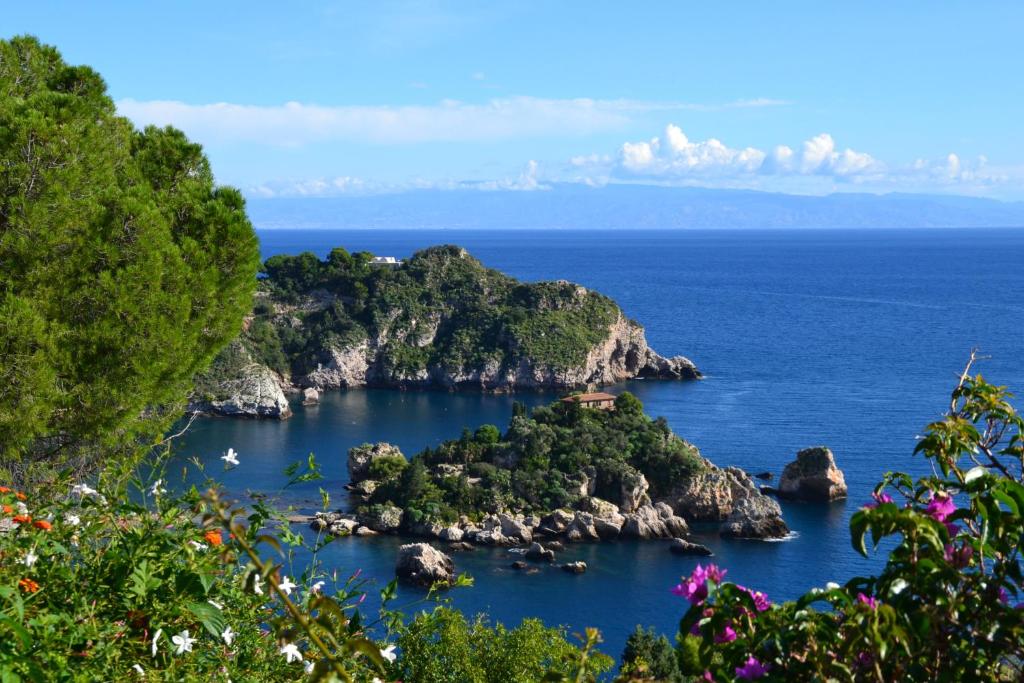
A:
[574,206]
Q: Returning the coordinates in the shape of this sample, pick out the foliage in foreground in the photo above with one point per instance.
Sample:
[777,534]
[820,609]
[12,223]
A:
[94,587]
[123,269]
[536,465]
[947,606]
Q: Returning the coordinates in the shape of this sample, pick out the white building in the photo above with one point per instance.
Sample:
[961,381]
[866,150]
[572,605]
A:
[385,261]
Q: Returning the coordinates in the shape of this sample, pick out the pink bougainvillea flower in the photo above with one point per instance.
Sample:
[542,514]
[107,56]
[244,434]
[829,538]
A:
[960,556]
[726,636]
[751,670]
[761,601]
[869,600]
[880,498]
[941,506]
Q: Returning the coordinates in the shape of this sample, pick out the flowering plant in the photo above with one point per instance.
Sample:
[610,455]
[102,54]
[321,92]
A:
[947,605]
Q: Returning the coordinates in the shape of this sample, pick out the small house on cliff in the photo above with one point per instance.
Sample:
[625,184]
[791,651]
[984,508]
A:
[386,261]
[599,400]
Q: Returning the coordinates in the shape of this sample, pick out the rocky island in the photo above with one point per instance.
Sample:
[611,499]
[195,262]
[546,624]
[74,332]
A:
[565,473]
[439,320]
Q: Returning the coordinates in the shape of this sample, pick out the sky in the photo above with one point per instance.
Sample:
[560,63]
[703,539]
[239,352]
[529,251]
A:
[334,98]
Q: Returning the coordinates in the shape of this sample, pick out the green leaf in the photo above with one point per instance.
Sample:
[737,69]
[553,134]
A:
[209,616]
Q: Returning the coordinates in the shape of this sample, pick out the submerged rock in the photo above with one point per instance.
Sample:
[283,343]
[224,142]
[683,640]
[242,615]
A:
[813,476]
[424,565]
[681,546]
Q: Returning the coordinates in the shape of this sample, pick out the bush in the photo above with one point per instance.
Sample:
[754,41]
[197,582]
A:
[171,588]
[386,467]
[649,656]
[948,604]
[442,646]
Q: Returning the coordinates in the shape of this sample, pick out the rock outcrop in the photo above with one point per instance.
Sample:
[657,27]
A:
[755,517]
[730,496]
[383,519]
[424,565]
[238,386]
[575,567]
[813,476]
[361,457]
[539,553]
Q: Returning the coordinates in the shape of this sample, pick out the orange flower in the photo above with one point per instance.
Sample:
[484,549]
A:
[4,489]
[19,495]
[28,585]
[22,519]
[42,524]
[213,537]
[8,509]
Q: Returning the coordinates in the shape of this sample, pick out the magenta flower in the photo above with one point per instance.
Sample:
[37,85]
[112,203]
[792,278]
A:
[695,588]
[1004,597]
[869,600]
[726,636]
[941,506]
[751,670]
[761,601]
[879,499]
[959,557]
[708,677]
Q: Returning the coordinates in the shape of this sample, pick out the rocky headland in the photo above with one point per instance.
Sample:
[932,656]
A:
[440,320]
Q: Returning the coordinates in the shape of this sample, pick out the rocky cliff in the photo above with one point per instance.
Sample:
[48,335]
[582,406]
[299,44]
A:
[440,320]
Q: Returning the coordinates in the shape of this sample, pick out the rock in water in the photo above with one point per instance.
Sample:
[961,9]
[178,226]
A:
[539,553]
[575,567]
[238,386]
[310,396]
[360,458]
[813,476]
[756,516]
[424,565]
[680,546]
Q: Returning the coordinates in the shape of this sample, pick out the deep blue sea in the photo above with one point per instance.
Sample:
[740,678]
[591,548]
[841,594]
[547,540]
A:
[852,339]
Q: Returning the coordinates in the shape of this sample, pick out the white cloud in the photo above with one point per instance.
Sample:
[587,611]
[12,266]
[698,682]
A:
[295,124]
[675,156]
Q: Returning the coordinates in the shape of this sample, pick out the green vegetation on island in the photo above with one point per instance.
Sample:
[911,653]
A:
[550,459]
[437,320]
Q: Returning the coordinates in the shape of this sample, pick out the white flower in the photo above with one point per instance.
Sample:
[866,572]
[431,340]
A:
[73,520]
[388,653]
[157,488]
[315,588]
[256,587]
[22,508]
[287,586]
[308,666]
[83,490]
[376,680]
[231,458]
[831,585]
[30,558]
[138,670]
[228,635]
[197,545]
[183,641]
[291,653]
[156,637]
[215,604]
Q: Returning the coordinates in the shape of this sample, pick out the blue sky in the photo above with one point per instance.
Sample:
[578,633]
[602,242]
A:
[334,97]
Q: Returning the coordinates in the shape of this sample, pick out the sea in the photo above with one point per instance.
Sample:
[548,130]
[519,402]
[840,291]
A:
[849,339]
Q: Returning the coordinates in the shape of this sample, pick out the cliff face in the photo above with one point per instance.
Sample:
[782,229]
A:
[441,320]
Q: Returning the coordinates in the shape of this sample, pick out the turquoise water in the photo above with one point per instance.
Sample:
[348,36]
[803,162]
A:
[851,339]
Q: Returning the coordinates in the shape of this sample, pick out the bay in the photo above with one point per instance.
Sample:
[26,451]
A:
[852,339]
